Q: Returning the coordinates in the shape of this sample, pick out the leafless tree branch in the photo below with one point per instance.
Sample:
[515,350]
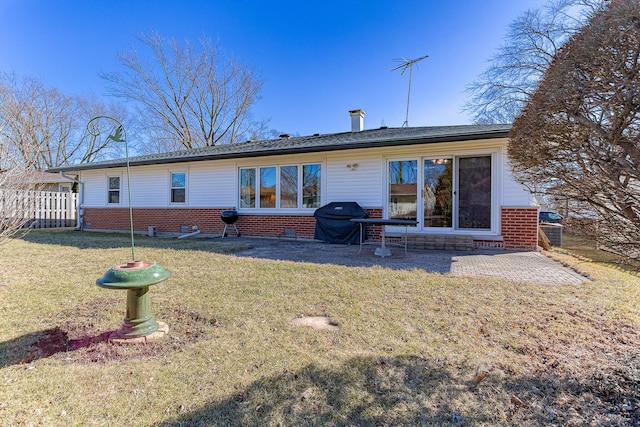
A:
[189,97]
[499,94]
[581,128]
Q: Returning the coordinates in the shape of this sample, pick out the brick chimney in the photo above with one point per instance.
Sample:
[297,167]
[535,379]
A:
[357,120]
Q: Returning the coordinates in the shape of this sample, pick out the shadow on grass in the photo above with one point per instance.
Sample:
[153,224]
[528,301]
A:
[412,391]
[97,240]
[362,392]
[383,391]
[42,344]
[79,341]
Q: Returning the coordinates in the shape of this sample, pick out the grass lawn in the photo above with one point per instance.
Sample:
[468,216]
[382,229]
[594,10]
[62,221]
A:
[411,348]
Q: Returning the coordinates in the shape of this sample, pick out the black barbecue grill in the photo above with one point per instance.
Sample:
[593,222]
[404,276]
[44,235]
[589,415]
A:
[334,225]
[229,218]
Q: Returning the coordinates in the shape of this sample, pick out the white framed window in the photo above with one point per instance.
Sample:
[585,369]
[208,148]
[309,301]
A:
[268,187]
[113,190]
[178,187]
[280,187]
[247,188]
[289,194]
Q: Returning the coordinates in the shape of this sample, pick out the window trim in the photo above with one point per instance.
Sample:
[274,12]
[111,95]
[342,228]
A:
[299,187]
[276,189]
[109,190]
[279,186]
[171,187]
[496,189]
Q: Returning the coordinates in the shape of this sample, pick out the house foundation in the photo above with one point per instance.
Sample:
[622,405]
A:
[519,226]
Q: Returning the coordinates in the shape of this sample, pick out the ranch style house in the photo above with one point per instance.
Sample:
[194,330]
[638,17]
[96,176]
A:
[455,181]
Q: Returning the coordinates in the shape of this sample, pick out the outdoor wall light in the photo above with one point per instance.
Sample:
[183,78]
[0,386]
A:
[352,166]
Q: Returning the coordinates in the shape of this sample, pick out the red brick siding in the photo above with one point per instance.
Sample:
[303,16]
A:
[373,231]
[519,227]
[207,219]
[275,225]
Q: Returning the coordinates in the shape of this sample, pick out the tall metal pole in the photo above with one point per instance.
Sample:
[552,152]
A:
[120,135]
[408,63]
[406,119]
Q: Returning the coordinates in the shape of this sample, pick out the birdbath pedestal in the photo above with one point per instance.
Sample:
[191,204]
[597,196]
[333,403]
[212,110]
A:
[136,276]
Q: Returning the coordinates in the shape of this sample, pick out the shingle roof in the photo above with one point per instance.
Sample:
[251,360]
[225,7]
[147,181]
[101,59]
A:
[314,143]
[39,177]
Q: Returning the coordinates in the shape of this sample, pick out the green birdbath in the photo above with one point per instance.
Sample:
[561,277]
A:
[136,277]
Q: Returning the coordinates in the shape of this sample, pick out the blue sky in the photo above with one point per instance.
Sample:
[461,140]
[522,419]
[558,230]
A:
[318,59]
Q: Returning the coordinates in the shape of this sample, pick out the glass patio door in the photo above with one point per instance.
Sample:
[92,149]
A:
[437,193]
[474,192]
[442,193]
[403,190]
[423,194]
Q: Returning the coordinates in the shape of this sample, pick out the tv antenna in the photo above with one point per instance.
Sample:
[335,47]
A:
[407,63]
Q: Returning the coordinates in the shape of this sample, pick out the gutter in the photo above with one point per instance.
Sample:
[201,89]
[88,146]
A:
[261,152]
[79,217]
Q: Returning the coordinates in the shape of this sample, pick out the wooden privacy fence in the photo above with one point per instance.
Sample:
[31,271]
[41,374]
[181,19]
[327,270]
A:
[40,209]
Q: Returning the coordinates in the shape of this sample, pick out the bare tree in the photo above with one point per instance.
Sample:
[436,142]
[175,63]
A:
[37,120]
[188,97]
[45,128]
[15,197]
[532,40]
[91,146]
[581,129]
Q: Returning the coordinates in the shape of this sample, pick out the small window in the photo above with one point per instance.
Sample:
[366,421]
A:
[248,188]
[289,187]
[268,187]
[178,187]
[113,196]
[311,186]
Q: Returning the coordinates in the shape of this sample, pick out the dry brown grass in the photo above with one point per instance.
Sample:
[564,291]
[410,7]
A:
[411,348]
[585,247]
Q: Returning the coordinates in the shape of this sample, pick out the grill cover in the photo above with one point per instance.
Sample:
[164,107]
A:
[333,222]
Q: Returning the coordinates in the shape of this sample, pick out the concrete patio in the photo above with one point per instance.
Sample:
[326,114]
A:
[525,266]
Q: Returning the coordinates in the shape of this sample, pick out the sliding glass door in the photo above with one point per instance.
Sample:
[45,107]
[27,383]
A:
[403,190]
[437,193]
[441,193]
[474,192]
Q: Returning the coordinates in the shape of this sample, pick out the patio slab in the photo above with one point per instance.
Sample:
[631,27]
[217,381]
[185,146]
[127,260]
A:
[522,266]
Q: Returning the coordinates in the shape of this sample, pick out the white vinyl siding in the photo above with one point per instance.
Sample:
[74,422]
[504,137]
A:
[94,187]
[361,184]
[513,193]
[149,187]
[212,184]
[215,183]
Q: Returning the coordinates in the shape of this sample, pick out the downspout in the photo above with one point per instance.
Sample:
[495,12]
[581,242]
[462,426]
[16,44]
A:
[195,232]
[79,217]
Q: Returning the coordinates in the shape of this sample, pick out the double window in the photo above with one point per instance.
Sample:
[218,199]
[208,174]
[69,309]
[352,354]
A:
[280,187]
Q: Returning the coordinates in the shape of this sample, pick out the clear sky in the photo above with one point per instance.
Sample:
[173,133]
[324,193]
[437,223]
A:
[318,59]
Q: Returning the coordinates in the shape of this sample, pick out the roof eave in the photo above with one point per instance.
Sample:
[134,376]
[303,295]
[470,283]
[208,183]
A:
[292,150]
